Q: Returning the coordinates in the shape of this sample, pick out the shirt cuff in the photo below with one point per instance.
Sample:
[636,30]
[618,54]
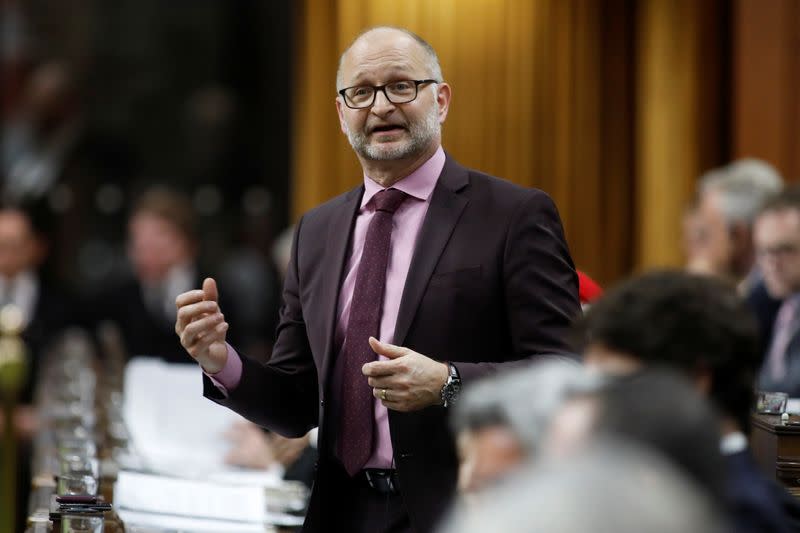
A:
[228,378]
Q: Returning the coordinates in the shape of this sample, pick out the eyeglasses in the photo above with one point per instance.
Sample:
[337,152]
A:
[779,251]
[397,92]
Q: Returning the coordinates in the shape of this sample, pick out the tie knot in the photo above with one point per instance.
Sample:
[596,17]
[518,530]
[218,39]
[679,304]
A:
[389,200]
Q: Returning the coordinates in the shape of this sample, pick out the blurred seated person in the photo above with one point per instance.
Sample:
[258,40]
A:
[655,408]
[612,487]
[40,139]
[500,421]
[696,325]
[777,242]
[718,229]
[253,277]
[44,312]
[162,249]
[252,447]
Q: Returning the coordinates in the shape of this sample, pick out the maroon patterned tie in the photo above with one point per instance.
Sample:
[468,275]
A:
[356,407]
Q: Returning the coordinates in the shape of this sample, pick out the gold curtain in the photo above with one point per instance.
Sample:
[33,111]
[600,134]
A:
[545,95]
[766,65]
[678,91]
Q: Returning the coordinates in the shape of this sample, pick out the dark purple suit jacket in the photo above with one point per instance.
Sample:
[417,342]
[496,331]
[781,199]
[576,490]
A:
[491,283]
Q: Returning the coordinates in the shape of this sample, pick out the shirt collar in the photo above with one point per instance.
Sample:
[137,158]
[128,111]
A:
[419,184]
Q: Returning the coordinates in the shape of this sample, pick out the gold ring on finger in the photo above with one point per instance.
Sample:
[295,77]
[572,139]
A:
[383,394]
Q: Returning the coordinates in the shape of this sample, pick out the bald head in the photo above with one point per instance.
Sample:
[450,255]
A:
[402,39]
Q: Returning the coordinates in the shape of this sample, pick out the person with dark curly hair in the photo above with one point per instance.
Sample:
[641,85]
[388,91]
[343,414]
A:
[700,326]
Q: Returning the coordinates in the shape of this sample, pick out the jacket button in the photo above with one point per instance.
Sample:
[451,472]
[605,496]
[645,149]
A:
[322,403]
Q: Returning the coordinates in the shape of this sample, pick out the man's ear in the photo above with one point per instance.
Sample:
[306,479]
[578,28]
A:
[340,112]
[443,96]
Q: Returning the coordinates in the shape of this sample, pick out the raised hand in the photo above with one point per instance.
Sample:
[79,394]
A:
[201,326]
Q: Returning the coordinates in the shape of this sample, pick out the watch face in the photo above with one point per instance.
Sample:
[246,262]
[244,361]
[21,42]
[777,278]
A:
[451,391]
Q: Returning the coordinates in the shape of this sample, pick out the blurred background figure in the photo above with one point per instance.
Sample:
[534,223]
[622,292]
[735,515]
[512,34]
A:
[38,141]
[654,409]
[500,422]
[718,231]
[253,279]
[777,243]
[244,274]
[612,487]
[253,447]
[698,326]
[162,250]
[44,310]
[54,156]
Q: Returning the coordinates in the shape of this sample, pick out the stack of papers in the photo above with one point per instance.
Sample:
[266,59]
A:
[176,479]
[184,497]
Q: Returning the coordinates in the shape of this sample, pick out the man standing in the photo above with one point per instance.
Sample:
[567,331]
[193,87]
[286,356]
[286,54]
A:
[427,276]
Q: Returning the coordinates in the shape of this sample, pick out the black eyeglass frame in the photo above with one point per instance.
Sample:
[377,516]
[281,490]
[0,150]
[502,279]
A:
[382,88]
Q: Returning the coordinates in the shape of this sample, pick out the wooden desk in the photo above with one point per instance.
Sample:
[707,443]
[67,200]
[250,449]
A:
[776,449]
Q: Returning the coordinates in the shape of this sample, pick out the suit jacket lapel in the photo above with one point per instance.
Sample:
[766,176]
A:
[443,213]
[338,244]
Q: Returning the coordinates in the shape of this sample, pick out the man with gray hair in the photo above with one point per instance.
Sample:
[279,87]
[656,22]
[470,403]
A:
[728,198]
[501,421]
[613,487]
[426,276]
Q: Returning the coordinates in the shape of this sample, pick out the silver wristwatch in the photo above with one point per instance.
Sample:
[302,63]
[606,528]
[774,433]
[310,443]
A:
[451,387]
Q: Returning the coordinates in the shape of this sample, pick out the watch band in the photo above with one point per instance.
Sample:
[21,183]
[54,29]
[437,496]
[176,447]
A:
[451,387]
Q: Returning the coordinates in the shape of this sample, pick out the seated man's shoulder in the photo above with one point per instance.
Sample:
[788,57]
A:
[754,499]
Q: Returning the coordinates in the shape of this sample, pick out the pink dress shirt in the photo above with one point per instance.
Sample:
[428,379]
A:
[407,222]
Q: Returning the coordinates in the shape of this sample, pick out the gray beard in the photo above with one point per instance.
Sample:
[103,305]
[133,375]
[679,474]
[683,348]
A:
[422,134]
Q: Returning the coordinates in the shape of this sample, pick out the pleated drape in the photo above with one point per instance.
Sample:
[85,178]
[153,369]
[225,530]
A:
[597,102]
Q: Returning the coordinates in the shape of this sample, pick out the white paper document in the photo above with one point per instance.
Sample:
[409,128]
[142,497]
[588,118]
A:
[174,429]
[793,406]
[200,499]
[146,522]
[177,471]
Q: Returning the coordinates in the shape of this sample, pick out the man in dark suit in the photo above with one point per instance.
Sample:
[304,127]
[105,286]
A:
[44,309]
[699,326]
[776,238]
[162,250]
[427,276]
[44,312]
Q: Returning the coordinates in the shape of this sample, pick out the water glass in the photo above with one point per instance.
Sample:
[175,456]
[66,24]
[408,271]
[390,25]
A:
[77,485]
[81,524]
